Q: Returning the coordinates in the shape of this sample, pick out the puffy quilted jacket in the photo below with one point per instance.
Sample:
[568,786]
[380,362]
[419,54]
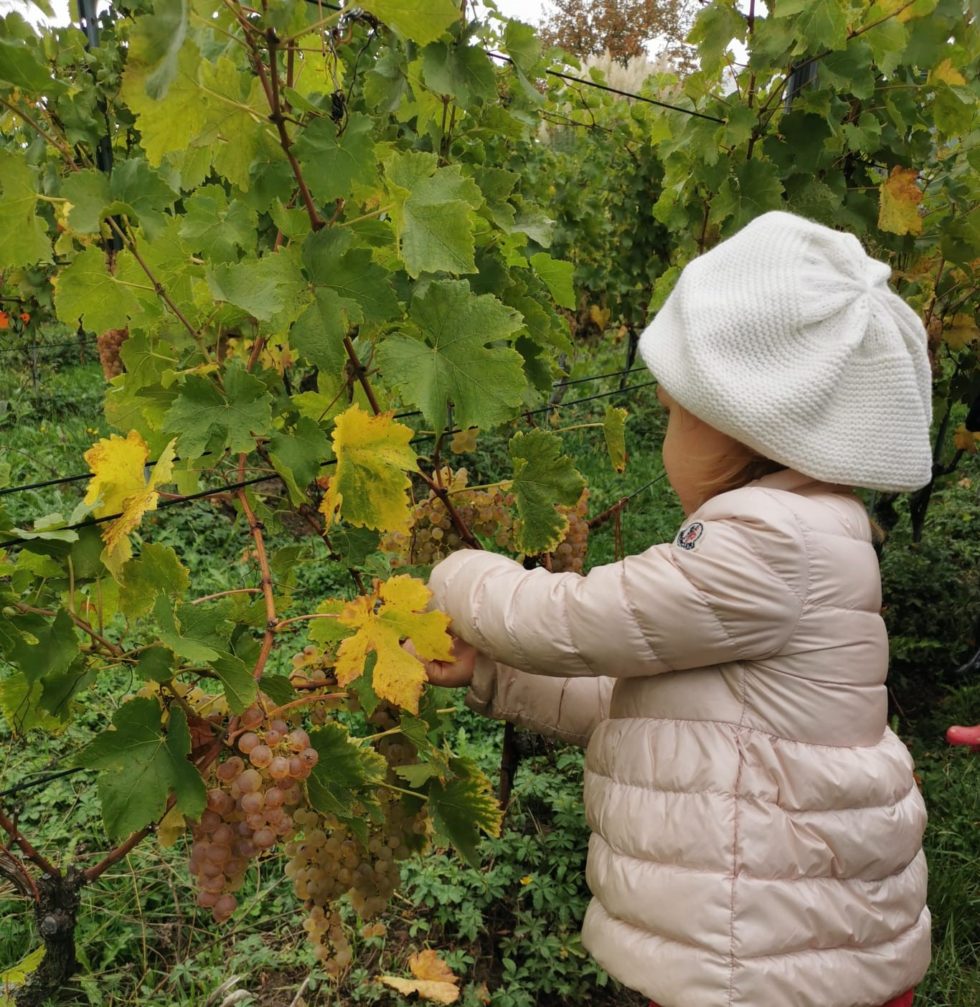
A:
[756,828]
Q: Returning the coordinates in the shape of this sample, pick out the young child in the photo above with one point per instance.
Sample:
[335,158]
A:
[756,829]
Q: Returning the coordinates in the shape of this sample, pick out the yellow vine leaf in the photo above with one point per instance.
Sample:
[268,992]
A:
[898,210]
[172,826]
[434,980]
[961,332]
[119,486]
[614,431]
[464,441]
[966,440]
[369,487]
[947,73]
[18,974]
[394,612]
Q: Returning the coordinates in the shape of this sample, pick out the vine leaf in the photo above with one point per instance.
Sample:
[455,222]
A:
[156,571]
[172,121]
[947,73]
[614,431]
[394,612]
[141,765]
[119,486]
[420,20]
[23,237]
[900,198]
[86,290]
[206,417]
[215,227]
[434,979]
[297,457]
[464,807]
[345,774]
[448,361]
[557,275]
[348,289]
[543,479]
[20,67]
[335,162]
[155,41]
[461,71]
[432,208]
[370,488]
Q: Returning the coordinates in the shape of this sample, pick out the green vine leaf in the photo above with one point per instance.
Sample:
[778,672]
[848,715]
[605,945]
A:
[422,21]
[464,808]
[543,478]
[447,360]
[208,418]
[142,764]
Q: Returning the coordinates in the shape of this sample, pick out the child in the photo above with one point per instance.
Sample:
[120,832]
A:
[756,826]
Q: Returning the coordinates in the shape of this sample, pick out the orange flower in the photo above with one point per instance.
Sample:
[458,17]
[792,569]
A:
[25,317]
[4,320]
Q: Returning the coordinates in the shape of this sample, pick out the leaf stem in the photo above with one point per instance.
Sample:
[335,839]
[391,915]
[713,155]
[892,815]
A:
[130,242]
[86,627]
[282,623]
[461,526]
[225,594]
[360,372]
[55,142]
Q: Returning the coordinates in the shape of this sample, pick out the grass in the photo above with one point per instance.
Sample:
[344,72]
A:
[511,929]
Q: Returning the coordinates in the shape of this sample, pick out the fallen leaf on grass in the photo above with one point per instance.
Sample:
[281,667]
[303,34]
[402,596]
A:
[434,980]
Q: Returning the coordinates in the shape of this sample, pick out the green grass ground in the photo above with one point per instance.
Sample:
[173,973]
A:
[511,929]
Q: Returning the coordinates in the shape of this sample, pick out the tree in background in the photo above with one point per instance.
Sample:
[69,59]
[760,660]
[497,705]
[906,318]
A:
[623,28]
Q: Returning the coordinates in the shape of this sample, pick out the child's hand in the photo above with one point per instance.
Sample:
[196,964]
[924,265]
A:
[964,736]
[450,674]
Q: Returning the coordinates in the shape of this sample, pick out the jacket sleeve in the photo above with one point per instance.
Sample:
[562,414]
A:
[733,592]
[565,708]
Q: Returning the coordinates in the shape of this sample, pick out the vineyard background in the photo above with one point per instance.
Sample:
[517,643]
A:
[311,230]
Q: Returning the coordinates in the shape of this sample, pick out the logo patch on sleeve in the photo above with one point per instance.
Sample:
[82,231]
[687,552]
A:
[687,538]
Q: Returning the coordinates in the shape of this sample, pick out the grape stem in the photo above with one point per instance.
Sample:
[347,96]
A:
[443,494]
[304,700]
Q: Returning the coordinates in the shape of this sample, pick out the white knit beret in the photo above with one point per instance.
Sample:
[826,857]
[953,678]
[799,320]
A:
[787,337]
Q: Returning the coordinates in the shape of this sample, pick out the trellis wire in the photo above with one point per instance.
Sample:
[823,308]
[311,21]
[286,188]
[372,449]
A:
[78,342]
[79,476]
[566,76]
[233,487]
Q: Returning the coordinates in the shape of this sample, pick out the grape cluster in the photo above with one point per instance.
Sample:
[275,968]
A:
[312,671]
[569,555]
[109,343]
[433,534]
[250,808]
[310,668]
[328,861]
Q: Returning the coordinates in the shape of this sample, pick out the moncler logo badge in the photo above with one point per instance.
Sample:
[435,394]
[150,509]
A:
[687,538]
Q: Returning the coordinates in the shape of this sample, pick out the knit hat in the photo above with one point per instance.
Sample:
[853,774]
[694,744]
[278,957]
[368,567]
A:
[787,337]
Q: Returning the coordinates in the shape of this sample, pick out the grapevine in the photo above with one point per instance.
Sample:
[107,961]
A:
[322,220]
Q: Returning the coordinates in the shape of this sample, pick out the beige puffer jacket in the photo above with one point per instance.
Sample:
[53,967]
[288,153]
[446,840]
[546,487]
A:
[756,826]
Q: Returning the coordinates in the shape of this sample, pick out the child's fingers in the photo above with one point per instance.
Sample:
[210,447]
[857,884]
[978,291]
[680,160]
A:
[964,736]
[449,674]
